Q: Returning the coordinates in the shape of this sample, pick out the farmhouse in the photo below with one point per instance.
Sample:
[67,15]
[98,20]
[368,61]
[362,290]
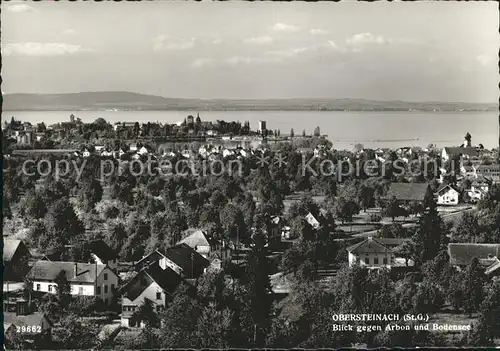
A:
[406,193]
[447,195]
[376,253]
[84,278]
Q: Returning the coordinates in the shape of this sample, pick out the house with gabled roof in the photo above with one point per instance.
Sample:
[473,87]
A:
[377,253]
[88,279]
[406,193]
[15,260]
[152,283]
[35,327]
[447,194]
[182,259]
[197,239]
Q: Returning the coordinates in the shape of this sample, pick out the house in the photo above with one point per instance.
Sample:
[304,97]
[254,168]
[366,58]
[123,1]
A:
[467,171]
[462,254]
[377,253]
[489,171]
[107,153]
[182,259]
[123,125]
[313,221]
[143,150]
[198,240]
[15,260]
[84,278]
[494,268]
[227,153]
[152,283]
[35,327]
[96,251]
[467,153]
[406,193]
[133,147]
[447,195]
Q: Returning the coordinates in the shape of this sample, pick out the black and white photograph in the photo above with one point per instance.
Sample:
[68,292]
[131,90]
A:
[233,174]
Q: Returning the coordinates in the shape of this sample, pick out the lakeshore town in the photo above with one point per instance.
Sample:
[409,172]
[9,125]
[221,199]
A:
[279,233]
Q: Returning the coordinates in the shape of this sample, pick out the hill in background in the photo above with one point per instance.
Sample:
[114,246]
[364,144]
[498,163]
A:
[122,100]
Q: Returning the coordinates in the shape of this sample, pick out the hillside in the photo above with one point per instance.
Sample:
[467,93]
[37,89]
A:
[132,101]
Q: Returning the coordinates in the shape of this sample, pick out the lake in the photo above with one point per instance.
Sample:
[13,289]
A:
[344,129]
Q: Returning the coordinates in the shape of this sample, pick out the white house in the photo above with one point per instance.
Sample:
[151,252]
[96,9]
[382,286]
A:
[447,195]
[312,221]
[86,279]
[86,153]
[133,147]
[152,283]
[202,151]
[376,253]
[143,151]
[227,153]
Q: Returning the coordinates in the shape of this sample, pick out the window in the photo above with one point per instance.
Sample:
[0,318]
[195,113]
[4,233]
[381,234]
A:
[105,276]
[50,287]
[105,289]
[385,260]
[38,287]
[112,287]
[98,292]
[367,260]
[375,260]
[80,290]
[158,295]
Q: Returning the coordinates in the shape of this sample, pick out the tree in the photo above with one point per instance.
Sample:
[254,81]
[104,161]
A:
[62,224]
[430,234]
[490,310]
[213,327]
[63,290]
[473,289]
[89,194]
[392,208]
[259,288]
[345,209]
[147,314]
[74,334]
[467,229]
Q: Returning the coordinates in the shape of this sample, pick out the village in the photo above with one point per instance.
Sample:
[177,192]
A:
[117,253]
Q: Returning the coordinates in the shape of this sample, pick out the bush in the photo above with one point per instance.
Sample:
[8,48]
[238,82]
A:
[86,305]
[375,217]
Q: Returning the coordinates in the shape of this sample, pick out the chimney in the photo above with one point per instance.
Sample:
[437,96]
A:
[75,270]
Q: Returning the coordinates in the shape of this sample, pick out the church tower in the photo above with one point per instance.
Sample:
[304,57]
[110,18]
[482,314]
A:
[467,140]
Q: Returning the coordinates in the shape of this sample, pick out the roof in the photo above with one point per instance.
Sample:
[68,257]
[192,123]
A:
[167,280]
[373,245]
[49,270]
[494,167]
[493,267]
[459,151]
[194,238]
[191,262]
[446,186]
[10,246]
[462,254]
[408,191]
[20,320]
[391,241]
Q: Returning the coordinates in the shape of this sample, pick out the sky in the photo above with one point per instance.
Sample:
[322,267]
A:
[422,51]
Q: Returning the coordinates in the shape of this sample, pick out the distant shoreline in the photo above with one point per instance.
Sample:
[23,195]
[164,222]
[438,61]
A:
[239,110]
